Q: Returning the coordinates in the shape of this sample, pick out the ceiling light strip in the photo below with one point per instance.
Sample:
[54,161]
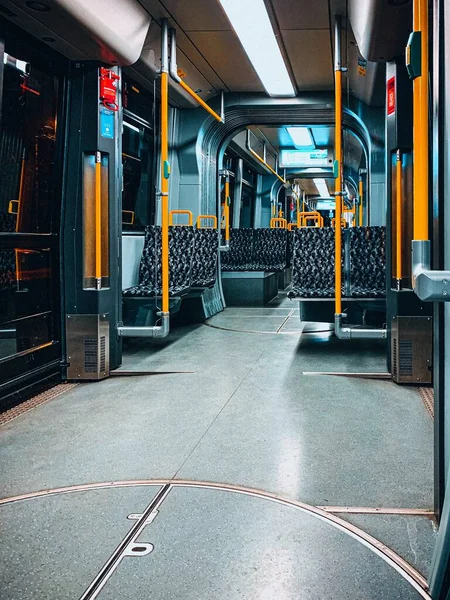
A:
[252,26]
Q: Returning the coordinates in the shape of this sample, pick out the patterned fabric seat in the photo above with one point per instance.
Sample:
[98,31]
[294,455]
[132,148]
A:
[239,256]
[367,249]
[290,248]
[7,257]
[363,273]
[7,222]
[269,250]
[313,263]
[181,249]
[7,269]
[204,261]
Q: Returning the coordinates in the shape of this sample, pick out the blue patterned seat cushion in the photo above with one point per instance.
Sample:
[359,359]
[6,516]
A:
[269,250]
[7,269]
[7,222]
[181,248]
[204,261]
[239,256]
[367,247]
[313,263]
[7,257]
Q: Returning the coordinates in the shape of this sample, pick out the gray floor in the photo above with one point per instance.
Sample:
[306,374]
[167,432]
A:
[53,547]
[412,537]
[246,415]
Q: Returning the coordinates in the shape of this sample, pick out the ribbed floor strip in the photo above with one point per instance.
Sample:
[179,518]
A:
[28,405]
[427,395]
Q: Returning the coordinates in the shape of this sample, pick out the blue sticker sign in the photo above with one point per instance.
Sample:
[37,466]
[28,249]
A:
[107,123]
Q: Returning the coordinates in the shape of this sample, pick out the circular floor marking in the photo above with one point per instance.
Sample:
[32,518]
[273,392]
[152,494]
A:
[412,576]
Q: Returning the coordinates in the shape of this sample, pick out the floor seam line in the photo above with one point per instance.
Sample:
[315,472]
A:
[221,411]
[286,320]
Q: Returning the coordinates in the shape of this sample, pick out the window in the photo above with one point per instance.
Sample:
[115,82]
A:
[138,159]
[138,196]
[27,147]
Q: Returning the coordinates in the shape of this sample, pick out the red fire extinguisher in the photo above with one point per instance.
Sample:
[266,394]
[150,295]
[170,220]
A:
[108,88]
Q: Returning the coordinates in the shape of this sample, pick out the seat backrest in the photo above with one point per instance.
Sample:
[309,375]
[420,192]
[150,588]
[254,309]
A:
[240,253]
[270,248]
[7,269]
[367,250]
[7,222]
[313,263]
[181,249]
[204,260]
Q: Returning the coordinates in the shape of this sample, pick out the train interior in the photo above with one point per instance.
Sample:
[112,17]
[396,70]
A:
[224,324]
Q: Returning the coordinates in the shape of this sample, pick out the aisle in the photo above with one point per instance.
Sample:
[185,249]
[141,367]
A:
[241,412]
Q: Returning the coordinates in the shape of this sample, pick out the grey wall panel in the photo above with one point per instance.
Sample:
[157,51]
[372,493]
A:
[132,247]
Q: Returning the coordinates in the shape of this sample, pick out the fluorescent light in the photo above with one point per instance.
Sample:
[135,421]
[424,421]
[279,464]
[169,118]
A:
[321,185]
[301,136]
[251,24]
[21,65]
[131,126]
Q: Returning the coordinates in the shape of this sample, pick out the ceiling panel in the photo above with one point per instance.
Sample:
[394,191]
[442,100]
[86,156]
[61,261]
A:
[310,56]
[198,15]
[302,14]
[157,10]
[227,57]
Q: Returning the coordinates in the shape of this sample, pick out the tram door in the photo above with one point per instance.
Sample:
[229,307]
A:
[30,200]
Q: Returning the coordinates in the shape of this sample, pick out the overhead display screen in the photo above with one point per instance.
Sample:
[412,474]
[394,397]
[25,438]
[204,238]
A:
[301,158]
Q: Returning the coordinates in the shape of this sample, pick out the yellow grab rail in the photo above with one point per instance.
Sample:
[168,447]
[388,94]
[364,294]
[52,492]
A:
[174,74]
[202,103]
[292,226]
[302,217]
[317,219]
[361,192]
[181,212]
[420,126]
[98,219]
[226,209]
[165,172]
[263,162]
[398,233]
[132,216]
[338,168]
[201,218]
[13,204]
[343,222]
[278,223]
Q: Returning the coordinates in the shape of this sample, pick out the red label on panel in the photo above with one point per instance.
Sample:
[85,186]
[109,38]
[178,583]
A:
[391,96]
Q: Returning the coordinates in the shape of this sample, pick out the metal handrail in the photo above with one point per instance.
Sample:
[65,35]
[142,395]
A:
[181,212]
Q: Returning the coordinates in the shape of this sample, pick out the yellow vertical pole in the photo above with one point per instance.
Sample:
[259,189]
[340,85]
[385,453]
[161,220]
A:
[226,209]
[165,172]
[98,220]
[399,225]
[420,126]
[361,196]
[338,173]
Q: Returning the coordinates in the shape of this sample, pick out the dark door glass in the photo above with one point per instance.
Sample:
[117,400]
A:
[138,197]
[27,148]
